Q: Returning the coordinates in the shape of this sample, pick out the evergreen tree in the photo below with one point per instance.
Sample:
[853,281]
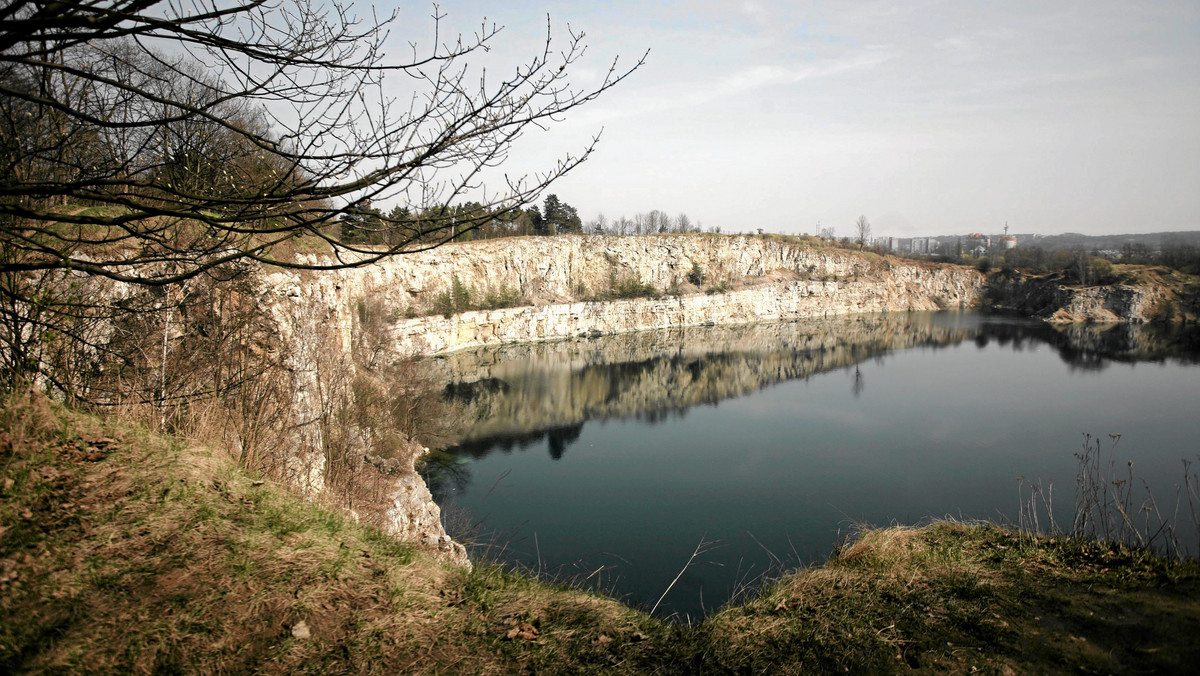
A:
[362,224]
[560,218]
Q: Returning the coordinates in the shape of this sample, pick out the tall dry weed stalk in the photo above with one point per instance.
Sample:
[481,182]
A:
[1112,504]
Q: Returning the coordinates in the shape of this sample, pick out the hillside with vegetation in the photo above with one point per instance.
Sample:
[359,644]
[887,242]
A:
[1096,290]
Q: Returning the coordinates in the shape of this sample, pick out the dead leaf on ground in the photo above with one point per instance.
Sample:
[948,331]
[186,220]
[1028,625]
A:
[524,631]
[300,630]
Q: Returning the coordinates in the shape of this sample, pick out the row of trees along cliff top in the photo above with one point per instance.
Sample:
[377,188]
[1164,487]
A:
[370,225]
[471,220]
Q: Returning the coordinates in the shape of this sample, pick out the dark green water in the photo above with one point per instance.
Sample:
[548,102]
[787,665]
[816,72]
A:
[612,459]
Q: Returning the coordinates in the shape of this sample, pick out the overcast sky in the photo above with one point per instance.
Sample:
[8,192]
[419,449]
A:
[928,117]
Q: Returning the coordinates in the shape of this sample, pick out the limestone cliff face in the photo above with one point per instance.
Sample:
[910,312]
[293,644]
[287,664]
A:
[1105,304]
[767,302]
[759,280]
[409,512]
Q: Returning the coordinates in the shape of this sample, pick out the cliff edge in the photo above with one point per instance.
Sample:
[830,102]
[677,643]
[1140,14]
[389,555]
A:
[1135,294]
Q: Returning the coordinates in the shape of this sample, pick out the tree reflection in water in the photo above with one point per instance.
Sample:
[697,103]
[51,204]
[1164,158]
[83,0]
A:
[520,396]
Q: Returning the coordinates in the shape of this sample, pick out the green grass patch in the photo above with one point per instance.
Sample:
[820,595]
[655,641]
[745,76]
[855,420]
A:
[126,552]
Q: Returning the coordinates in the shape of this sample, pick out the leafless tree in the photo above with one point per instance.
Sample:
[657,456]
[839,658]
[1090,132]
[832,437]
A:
[640,224]
[149,141]
[600,225]
[154,141]
[683,223]
[862,228]
[658,221]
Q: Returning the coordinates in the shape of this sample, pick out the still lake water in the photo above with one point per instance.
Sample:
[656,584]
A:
[615,457]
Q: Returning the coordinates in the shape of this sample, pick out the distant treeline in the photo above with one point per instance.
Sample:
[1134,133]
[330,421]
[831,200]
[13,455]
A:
[1086,258]
[369,225]
[1178,250]
[1151,241]
[1078,264]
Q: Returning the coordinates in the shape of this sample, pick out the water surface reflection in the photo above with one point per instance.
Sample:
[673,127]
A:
[618,454]
[518,395]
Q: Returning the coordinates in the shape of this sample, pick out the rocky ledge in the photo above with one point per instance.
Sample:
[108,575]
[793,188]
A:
[567,286]
[1052,300]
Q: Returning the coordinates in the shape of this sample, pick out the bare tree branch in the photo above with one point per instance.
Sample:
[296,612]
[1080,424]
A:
[147,141]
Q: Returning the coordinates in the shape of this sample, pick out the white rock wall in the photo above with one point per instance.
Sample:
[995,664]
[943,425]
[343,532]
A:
[769,302]
[768,280]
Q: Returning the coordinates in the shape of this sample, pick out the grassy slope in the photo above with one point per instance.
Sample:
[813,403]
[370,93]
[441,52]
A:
[126,552]
[122,551]
[1181,291]
[958,598]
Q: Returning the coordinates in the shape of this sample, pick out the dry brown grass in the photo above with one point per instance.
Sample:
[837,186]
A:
[124,552]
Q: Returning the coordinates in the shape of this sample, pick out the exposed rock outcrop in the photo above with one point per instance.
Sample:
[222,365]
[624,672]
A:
[410,513]
[1049,299]
[758,279]
[1104,304]
[767,302]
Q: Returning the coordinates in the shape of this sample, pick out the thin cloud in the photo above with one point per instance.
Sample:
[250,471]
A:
[740,83]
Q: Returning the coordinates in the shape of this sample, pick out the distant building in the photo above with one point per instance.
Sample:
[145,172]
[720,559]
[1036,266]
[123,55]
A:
[923,245]
[917,246]
[1008,242]
[977,244]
